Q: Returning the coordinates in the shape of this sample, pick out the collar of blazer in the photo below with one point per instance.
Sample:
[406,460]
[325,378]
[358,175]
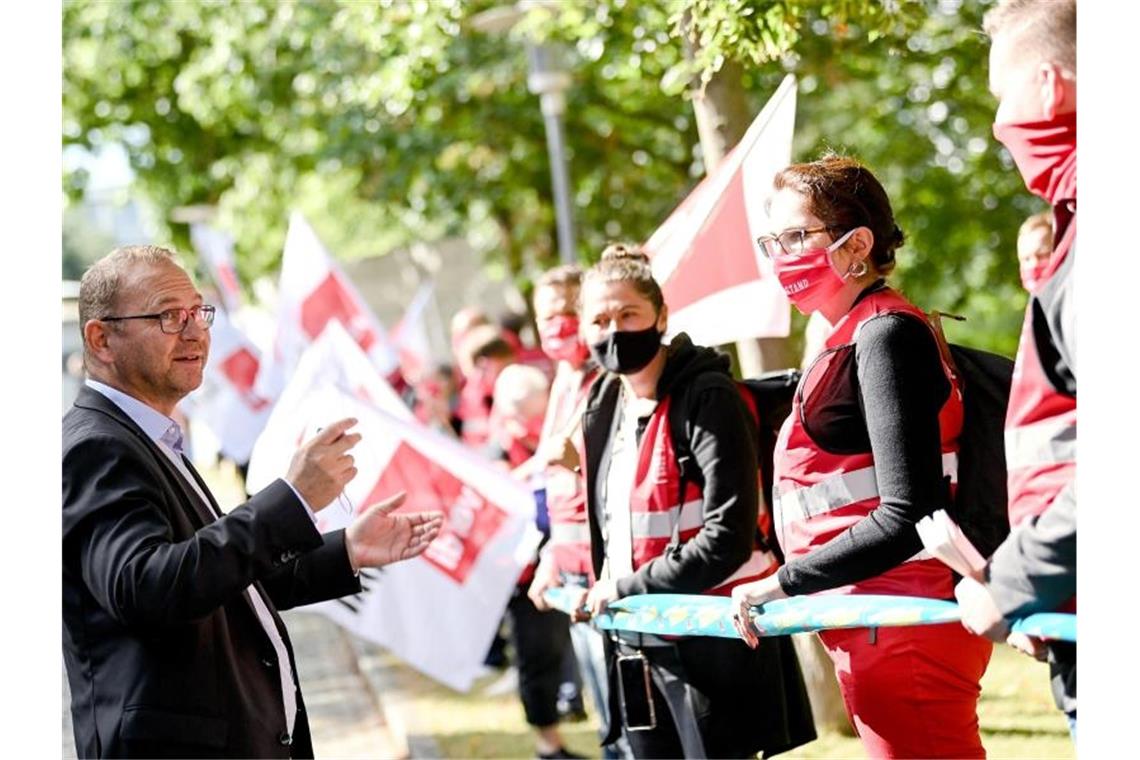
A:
[96,402]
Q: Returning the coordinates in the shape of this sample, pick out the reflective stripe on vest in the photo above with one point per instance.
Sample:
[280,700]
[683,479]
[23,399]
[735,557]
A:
[689,516]
[570,533]
[1049,441]
[654,514]
[840,490]
[820,494]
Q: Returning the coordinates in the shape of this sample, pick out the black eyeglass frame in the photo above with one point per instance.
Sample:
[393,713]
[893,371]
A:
[205,312]
[803,233]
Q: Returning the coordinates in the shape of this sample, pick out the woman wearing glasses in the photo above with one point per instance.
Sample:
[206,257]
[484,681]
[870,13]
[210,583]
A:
[655,530]
[869,449]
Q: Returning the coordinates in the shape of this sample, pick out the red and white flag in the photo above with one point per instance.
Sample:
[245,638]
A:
[227,403]
[439,611]
[716,281]
[312,292]
[410,336]
[216,249]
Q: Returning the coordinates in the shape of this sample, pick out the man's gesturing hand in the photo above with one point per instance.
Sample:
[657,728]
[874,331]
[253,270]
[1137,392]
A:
[322,467]
[377,537]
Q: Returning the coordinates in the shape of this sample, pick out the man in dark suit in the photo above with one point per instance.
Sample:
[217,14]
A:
[171,638]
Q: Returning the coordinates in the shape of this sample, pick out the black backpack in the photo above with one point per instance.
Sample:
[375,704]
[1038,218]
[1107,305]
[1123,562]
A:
[981,504]
[769,397]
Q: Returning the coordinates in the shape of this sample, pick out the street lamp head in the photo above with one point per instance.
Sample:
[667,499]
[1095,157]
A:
[498,20]
[547,70]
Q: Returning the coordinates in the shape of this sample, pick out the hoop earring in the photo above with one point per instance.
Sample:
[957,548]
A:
[857,273]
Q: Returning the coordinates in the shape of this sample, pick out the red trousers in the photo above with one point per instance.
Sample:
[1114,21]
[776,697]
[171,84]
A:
[912,691]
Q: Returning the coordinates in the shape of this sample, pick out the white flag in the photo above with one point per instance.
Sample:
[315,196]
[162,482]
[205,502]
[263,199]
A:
[717,283]
[216,249]
[226,402]
[312,292]
[410,336]
[439,611]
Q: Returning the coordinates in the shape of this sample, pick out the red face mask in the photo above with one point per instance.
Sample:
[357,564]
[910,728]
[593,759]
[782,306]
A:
[560,341]
[810,279]
[518,432]
[1045,153]
[1033,273]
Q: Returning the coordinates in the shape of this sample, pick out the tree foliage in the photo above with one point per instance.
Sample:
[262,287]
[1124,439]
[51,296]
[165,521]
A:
[398,121]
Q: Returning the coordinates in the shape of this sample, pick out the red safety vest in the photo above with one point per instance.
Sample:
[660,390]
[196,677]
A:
[565,495]
[818,495]
[1041,423]
[658,510]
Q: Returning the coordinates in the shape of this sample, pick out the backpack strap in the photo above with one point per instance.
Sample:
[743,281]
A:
[681,431]
[934,319]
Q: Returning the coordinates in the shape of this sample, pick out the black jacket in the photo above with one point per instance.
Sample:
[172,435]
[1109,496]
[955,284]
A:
[722,443]
[750,700]
[165,656]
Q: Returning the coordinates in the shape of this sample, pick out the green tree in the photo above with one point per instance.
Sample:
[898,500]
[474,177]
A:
[383,121]
[83,243]
[902,86]
[917,110]
[395,121]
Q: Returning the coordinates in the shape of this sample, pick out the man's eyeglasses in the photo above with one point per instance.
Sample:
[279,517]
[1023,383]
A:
[789,243]
[174,321]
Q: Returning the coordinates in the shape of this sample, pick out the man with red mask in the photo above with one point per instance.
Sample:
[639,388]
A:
[1033,75]
[566,559]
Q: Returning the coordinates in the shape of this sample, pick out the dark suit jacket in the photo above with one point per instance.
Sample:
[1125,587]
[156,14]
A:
[165,656]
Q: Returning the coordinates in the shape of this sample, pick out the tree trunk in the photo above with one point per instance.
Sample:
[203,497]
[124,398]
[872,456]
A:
[722,118]
[819,678]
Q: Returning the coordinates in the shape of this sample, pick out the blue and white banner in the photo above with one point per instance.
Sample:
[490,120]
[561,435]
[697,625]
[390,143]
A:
[696,615]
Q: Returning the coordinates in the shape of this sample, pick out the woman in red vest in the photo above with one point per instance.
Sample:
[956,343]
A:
[869,449]
[652,533]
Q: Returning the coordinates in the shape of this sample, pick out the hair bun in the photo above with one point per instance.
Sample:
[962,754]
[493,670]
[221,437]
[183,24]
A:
[624,252]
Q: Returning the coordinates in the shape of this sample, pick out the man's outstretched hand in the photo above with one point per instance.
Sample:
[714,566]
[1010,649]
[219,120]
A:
[376,537]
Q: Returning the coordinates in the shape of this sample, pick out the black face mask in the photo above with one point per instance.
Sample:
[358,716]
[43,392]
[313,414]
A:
[627,352]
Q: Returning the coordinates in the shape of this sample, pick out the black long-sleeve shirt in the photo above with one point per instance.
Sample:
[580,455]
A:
[901,387]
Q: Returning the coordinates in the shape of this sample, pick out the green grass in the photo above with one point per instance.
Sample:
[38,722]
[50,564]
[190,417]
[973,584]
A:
[1016,712]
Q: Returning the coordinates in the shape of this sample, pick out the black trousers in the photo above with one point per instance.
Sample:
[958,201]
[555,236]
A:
[718,698]
[541,641]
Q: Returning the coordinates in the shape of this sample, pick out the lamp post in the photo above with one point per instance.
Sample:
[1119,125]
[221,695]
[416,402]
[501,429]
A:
[547,77]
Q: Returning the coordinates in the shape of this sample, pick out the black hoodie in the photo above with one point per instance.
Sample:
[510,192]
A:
[721,436]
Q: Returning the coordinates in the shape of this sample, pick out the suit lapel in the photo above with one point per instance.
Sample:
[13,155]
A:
[198,511]
[202,485]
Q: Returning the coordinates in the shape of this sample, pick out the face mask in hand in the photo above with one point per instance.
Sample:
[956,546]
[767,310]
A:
[627,352]
[810,279]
